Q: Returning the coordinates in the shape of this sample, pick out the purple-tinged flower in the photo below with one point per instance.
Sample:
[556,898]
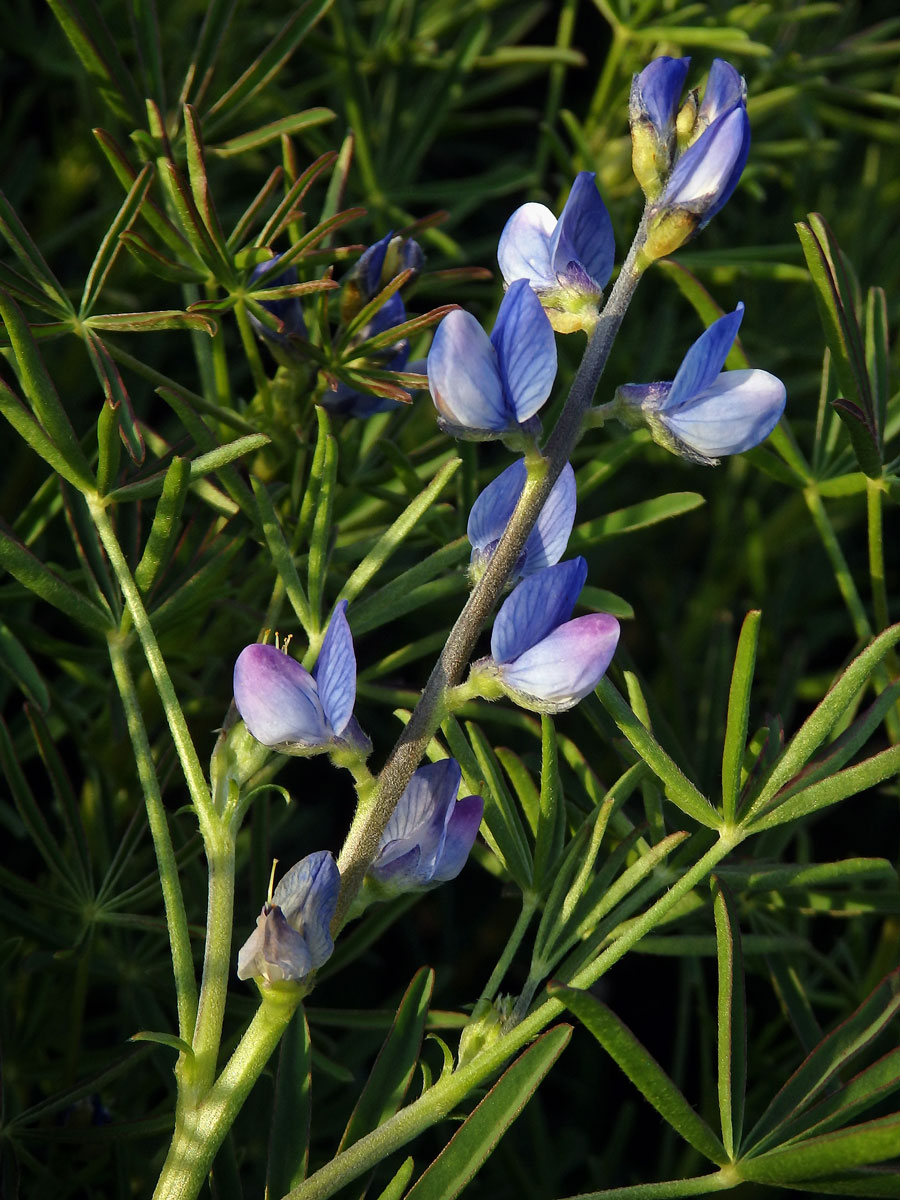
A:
[566,262]
[293,931]
[540,658]
[375,268]
[492,510]
[349,401]
[291,711]
[430,833]
[706,412]
[653,113]
[288,311]
[713,151]
[486,387]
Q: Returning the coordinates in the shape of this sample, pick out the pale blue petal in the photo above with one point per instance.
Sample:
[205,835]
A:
[705,359]
[658,90]
[739,128]
[277,699]
[707,173]
[725,89]
[424,805]
[398,867]
[274,951]
[307,895]
[491,511]
[524,249]
[464,375]
[537,605]
[462,829]
[736,413]
[526,350]
[548,540]
[413,840]
[566,665]
[335,672]
[584,233]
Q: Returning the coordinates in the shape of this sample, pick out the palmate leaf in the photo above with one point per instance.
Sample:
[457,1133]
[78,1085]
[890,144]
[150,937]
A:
[392,1072]
[635,516]
[268,63]
[824,718]
[732,1018]
[738,714]
[24,248]
[654,1083]
[284,127]
[109,247]
[477,1138]
[834,293]
[831,1054]
[679,788]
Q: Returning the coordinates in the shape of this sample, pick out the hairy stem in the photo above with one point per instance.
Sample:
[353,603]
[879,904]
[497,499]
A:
[361,845]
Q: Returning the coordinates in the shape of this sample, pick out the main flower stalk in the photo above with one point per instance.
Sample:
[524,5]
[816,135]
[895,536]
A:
[361,844]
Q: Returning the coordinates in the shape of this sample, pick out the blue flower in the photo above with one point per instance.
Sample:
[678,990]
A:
[540,658]
[653,112]
[486,387]
[293,934]
[492,510]
[291,711]
[375,268]
[288,311]
[706,412]
[566,262]
[715,145]
[430,833]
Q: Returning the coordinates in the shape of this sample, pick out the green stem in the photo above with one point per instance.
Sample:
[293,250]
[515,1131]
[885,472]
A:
[173,899]
[440,1099]
[200,1128]
[362,843]
[184,746]
[200,1072]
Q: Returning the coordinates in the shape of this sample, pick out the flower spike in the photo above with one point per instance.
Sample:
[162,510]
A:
[705,413]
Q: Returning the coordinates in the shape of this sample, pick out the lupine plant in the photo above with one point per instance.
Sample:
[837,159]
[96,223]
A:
[274,504]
